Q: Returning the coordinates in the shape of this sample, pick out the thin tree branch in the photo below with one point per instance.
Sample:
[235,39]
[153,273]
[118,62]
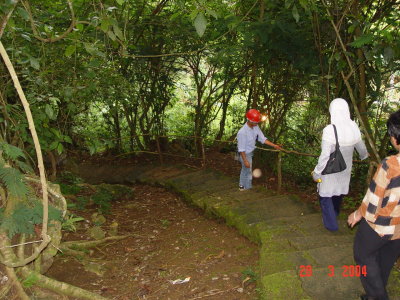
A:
[5,19]
[25,103]
[50,40]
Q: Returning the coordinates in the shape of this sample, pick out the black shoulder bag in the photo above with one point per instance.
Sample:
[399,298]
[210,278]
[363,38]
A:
[336,161]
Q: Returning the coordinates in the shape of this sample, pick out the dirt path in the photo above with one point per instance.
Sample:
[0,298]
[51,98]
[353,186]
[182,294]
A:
[169,241]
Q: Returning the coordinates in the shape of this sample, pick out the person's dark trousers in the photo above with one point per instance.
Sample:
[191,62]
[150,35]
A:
[378,255]
[330,207]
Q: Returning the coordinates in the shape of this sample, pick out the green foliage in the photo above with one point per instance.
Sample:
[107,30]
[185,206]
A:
[351,203]
[362,40]
[118,192]
[103,199]
[69,178]
[69,222]
[14,181]
[11,152]
[250,275]
[100,89]
[30,280]
[69,183]
[69,189]
[81,202]
[24,218]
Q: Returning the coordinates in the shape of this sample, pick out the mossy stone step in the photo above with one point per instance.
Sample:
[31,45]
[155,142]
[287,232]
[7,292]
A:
[193,179]
[321,286]
[289,285]
[277,242]
[267,210]
[163,173]
[284,285]
[274,262]
[309,224]
[235,193]
[210,186]
[216,191]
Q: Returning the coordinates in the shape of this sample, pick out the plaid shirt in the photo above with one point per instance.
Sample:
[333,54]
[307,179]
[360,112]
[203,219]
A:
[381,204]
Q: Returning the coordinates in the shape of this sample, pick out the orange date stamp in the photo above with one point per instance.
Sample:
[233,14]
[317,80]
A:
[346,271]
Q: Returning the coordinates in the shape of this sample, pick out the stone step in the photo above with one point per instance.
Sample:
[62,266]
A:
[194,179]
[322,286]
[309,223]
[288,285]
[274,262]
[282,241]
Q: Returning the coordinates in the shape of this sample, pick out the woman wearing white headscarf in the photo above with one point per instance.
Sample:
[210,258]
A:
[332,187]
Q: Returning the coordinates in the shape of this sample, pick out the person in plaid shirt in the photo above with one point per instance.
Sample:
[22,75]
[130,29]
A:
[377,241]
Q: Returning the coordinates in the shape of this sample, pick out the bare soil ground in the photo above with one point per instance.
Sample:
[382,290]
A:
[169,241]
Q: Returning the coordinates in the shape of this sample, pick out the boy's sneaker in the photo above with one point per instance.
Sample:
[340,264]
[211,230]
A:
[241,188]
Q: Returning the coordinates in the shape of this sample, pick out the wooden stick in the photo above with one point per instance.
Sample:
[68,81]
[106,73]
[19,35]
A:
[159,150]
[279,170]
[203,153]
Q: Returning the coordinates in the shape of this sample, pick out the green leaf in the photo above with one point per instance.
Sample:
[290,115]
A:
[304,4]
[295,13]
[118,32]
[26,37]
[34,63]
[54,99]
[120,2]
[365,39]
[351,28]
[105,23]
[54,145]
[14,181]
[60,148]
[70,50]
[67,139]
[93,50]
[56,132]
[288,3]
[12,152]
[24,167]
[200,23]
[212,13]
[79,27]
[175,15]
[194,14]
[50,112]
[23,13]
[111,35]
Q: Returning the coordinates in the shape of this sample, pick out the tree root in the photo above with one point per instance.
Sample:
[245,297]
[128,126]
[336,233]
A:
[5,290]
[77,245]
[17,284]
[60,287]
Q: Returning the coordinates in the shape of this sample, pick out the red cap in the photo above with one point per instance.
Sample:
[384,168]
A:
[253,115]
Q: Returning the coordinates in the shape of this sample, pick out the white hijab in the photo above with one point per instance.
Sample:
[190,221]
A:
[347,130]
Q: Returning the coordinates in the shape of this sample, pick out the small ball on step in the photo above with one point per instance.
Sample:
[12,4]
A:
[257,173]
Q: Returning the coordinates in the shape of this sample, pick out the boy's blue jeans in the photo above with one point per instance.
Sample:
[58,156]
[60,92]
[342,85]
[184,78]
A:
[330,207]
[245,173]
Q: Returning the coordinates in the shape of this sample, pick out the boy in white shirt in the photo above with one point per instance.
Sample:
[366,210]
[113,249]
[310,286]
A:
[247,137]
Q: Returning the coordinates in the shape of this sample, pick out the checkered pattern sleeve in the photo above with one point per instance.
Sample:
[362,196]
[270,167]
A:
[381,204]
